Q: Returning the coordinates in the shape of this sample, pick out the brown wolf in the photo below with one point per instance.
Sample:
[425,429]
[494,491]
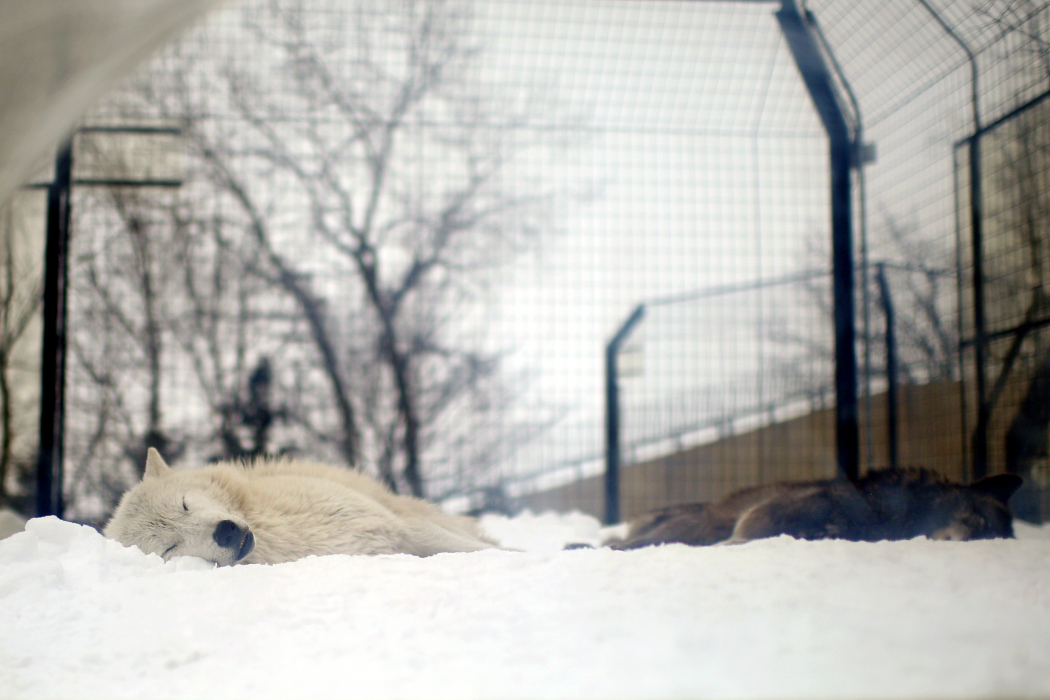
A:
[890,504]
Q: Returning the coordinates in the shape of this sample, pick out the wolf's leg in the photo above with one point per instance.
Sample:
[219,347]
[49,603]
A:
[646,523]
[802,514]
[753,524]
[696,527]
[429,538]
[647,540]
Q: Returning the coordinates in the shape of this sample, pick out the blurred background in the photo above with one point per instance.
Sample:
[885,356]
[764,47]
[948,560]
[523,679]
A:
[447,242]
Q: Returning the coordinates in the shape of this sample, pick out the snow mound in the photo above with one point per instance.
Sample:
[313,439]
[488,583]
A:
[81,616]
[56,555]
[1028,531]
[546,532]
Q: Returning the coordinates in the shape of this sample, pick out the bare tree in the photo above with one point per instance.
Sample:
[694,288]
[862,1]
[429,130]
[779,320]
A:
[20,298]
[365,101]
[168,306]
[249,416]
[927,334]
[927,330]
[342,223]
[128,283]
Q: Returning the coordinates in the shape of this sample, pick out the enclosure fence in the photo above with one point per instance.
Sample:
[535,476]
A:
[405,238]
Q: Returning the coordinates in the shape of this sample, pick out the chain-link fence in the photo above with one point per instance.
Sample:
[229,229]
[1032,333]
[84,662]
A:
[1006,176]
[402,236]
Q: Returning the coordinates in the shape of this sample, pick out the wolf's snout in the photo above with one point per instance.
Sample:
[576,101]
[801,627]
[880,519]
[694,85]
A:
[230,535]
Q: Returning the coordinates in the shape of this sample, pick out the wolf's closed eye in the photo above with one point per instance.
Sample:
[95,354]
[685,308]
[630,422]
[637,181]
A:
[184,504]
[168,551]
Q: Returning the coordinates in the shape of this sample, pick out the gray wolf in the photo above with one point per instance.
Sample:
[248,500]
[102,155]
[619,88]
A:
[889,504]
[278,510]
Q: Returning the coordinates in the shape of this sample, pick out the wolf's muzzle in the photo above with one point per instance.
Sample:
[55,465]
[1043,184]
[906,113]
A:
[230,535]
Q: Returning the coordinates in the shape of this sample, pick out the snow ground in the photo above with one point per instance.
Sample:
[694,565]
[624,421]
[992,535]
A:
[84,617]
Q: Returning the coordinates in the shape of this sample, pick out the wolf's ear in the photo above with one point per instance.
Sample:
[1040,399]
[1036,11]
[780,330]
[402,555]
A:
[1000,487]
[156,468]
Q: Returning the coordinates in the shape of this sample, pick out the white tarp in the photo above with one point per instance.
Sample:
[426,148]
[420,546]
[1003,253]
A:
[58,56]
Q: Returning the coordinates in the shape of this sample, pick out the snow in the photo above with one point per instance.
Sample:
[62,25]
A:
[84,617]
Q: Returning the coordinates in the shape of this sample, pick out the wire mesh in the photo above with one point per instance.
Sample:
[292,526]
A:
[403,235]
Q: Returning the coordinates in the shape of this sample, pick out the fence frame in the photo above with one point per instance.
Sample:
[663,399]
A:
[49,468]
[804,43]
[981,337]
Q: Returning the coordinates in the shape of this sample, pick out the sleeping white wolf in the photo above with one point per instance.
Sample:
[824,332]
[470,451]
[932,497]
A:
[279,510]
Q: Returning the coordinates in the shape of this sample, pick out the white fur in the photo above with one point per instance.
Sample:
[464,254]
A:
[291,508]
[10,523]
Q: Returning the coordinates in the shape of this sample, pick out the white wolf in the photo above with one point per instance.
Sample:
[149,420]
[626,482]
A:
[278,510]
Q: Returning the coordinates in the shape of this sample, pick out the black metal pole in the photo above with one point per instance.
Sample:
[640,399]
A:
[52,368]
[965,448]
[984,408]
[891,364]
[612,417]
[817,78]
[846,413]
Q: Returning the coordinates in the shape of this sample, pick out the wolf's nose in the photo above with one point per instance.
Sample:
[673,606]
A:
[228,534]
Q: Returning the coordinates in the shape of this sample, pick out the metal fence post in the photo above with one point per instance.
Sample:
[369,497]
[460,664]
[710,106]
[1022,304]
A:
[53,355]
[49,473]
[819,83]
[984,408]
[891,363]
[612,417]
